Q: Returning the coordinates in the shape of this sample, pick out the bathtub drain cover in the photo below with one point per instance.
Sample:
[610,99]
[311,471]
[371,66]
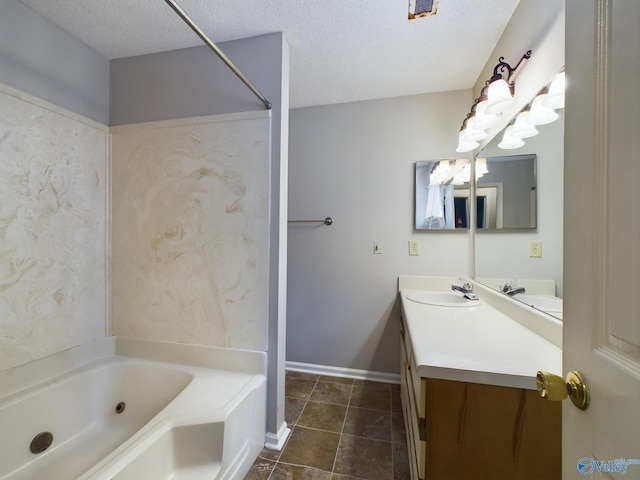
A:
[41,442]
[120,407]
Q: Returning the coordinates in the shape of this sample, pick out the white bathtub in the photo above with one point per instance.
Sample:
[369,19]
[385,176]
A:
[129,409]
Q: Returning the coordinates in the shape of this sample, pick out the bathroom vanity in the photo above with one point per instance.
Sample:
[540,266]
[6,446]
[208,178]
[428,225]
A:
[468,385]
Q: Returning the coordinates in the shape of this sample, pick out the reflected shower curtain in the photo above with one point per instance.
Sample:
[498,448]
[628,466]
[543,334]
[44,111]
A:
[439,212]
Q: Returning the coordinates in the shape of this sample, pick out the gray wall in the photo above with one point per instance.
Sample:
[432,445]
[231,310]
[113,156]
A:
[355,162]
[39,58]
[194,81]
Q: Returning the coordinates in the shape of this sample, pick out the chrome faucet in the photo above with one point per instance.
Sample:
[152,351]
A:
[466,289]
[510,290]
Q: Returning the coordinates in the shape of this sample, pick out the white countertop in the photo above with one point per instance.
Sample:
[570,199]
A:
[476,344]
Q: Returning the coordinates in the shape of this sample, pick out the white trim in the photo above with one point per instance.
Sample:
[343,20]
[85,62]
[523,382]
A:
[343,372]
[276,441]
[188,121]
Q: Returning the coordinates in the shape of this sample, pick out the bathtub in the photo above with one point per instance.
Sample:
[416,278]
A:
[128,409]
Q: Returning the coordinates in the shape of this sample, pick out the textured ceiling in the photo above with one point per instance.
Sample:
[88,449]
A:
[341,50]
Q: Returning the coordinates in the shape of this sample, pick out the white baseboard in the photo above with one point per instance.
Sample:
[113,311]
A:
[343,372]
[276,441]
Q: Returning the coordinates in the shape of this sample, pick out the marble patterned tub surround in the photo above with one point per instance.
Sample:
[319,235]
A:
[190,230]
[53,228]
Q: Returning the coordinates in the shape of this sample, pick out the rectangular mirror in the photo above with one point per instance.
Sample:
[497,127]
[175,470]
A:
[442,194]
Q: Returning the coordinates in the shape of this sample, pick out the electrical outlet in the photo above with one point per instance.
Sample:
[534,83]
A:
[535,249]
[377,247]
[414,248]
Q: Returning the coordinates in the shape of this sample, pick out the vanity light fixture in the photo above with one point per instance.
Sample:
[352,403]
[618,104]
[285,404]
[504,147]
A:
[472,134]
[481,167]
[555,97]
[495,97]
[539,114]
[501,89]
[522,128]
[465,145]
[456,172]
[483,120]
[509,142]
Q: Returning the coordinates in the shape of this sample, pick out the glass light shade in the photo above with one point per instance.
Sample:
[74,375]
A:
[465,146]
[539,113]
[499,97]
[463,176]
[555,97]
[484,120]
[471,134]
[442,173]
[481,167]
[522,128]
[508,141]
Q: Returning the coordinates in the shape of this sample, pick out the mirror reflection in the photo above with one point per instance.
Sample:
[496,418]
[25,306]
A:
[527,264]
[506,192]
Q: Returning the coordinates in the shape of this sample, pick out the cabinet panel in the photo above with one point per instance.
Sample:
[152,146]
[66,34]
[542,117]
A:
[484,431]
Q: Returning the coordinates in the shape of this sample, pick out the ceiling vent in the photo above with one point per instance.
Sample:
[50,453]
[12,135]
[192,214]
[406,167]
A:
[422,8]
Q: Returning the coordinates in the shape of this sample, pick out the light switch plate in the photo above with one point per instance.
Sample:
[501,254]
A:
[414,248]
[377,247]
[535,249]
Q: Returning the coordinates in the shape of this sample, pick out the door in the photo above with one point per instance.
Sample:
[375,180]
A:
[602,237]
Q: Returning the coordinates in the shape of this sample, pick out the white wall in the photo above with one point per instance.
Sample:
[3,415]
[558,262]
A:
[54,174]
[355,162]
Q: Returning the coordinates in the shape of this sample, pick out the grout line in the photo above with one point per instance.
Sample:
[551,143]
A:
[344,421]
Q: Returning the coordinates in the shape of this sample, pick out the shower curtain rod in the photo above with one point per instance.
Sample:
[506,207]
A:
[181,13]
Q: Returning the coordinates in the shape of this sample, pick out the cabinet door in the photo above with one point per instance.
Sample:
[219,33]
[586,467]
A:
[482,431]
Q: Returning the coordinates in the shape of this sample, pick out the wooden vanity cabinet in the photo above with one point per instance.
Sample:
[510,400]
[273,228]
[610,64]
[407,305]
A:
[462,430]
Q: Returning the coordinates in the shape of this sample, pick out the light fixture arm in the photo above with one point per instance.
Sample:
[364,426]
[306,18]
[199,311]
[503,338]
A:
[512,71]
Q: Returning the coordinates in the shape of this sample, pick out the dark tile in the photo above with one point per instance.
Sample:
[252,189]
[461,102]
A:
[331,393]
[269,454]
[292,409]
[372,384]
[260,470]
[337,476]
[401,468]
[363,422]
[373,398]
[302,375]
[296,472]
[323,416]
[298,387]
[364,458]
[345,380]
[396,403]
[311,448]
[399,434]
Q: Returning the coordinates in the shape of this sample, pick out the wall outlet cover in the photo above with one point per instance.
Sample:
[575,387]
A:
[535,249]
[414,248]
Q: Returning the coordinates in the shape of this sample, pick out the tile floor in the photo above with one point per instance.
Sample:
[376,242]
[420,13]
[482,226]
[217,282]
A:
[341,429]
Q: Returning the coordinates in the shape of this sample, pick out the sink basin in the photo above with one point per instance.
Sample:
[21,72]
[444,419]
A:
[546,303]
[442,299]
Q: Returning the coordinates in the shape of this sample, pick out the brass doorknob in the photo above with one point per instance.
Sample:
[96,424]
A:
[553,387]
